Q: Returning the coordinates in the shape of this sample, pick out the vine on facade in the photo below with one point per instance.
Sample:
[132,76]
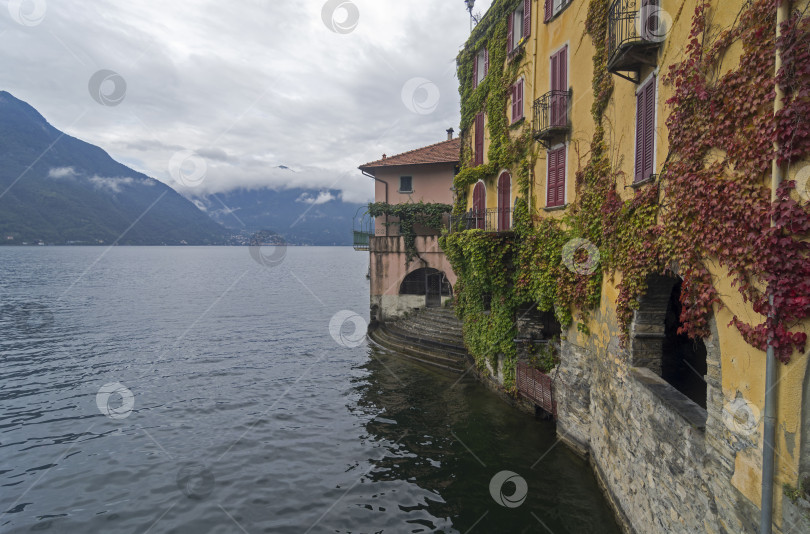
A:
[426,214]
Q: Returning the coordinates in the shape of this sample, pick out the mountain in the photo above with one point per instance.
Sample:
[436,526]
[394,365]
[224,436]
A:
[301,216]
[57,189]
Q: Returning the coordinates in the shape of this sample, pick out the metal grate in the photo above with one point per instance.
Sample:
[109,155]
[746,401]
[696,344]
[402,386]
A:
[487,220]
[537,387]
[551,114]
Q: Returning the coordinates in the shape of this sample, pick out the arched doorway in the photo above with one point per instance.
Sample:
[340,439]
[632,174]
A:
[504,194]
[479,205]
[656,344]
[432,283]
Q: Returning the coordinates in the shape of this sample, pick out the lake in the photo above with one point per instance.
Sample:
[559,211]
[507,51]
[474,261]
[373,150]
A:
[230,389]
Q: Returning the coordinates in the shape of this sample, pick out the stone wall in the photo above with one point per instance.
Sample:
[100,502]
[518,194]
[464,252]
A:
[666,463]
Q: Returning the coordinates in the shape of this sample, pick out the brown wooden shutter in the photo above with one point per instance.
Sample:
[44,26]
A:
[504,187]
[486,61]
[639,167]
[560,197]
[510,21]
[513,97]
[527,18]
[548,11]
[519,98]
[475,71]
[649,128]
[479,204]
[551,188]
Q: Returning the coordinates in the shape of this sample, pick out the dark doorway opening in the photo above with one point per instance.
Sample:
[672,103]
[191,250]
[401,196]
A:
[432,283]
[683,362]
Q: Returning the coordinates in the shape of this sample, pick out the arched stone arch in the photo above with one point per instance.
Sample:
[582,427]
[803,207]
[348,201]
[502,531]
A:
[655,344]
[427,281]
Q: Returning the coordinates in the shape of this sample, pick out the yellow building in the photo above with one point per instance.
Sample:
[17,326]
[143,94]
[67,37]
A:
[626,175]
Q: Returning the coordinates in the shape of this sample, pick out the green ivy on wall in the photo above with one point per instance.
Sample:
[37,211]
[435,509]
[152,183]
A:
[699,211]
[427,214]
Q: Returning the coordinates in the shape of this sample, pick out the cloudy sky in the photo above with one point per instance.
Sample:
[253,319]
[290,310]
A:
[209,95]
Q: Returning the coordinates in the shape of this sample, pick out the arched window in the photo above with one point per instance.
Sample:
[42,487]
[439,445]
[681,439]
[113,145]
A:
[479,205]
[504,209]
[657,345]
[432,283]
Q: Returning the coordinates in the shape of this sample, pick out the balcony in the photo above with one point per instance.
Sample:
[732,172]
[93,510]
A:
[636,29]
[362,230]
[551,116]
[489,220]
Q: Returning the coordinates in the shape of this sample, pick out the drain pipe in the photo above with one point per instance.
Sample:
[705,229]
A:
[386,193]
[769,427]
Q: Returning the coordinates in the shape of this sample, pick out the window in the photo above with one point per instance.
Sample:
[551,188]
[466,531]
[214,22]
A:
[645,131]
[517,100]
[406,184]
[504,192]
[479,140]
[479,205]
[555,190]
[553,7]
[480,67]
[519,25]
[559,84]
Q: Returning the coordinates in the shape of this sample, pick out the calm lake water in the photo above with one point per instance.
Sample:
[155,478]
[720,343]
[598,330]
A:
[194,390]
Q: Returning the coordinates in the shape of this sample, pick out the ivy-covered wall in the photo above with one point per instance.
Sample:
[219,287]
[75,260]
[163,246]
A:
[707,217]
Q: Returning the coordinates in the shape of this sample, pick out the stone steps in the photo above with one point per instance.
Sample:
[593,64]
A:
[416,353]
[431,336]
[435,334]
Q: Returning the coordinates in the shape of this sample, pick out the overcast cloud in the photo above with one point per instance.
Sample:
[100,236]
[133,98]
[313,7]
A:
[207,96]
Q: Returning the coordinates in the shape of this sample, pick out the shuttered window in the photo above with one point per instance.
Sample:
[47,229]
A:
[517,101]
[555,191]
[478,149]
[519,25]
[559,83]
[645,131]
[480,67]
[552,7]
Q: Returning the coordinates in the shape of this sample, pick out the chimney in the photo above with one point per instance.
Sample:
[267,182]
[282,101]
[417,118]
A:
[450,134]
[384,156]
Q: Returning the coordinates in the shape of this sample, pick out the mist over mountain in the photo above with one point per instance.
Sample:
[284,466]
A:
[57,189]
[302,216]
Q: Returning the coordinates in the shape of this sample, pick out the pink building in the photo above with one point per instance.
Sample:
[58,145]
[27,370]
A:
[397,286]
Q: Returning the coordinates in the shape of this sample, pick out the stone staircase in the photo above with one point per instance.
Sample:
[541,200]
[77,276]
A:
[430,336]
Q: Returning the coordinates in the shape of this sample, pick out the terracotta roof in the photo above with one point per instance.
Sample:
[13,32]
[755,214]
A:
[444,152]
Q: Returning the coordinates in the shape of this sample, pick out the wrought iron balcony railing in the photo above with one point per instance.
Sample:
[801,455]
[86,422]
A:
[489,220]
[636,29]
[551,116]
